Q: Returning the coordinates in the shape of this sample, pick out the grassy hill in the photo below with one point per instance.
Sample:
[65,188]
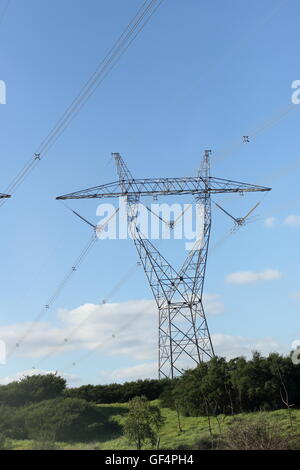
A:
[193,429]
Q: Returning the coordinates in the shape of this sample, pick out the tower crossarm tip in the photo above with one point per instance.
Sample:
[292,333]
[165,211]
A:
[4,196]
[220,185]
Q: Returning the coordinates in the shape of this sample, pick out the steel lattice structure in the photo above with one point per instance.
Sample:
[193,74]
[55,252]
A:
[3,196]
[184,337]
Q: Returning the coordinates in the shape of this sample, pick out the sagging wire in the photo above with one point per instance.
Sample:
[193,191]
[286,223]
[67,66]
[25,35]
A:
[132,30]
[79,260]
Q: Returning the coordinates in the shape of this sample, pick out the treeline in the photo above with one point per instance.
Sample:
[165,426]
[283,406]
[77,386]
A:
[235,386]
[46,387]
[42,408]
[119,393]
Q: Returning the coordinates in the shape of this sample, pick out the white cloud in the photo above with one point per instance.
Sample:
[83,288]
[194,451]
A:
[128,329]
[212,304]
[147,370]
[246,277]
[292,220]
[228,346]
[118,329]
[295,344]
[269,222]
[232,346]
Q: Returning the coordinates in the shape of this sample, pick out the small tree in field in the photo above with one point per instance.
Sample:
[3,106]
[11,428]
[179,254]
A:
[143,422]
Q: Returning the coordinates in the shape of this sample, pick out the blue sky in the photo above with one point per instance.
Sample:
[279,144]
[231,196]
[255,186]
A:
[201,75]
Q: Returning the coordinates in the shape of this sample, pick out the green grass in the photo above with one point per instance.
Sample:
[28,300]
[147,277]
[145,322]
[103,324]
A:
[193,429]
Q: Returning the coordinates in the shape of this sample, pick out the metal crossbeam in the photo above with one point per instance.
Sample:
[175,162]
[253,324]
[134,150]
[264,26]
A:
[3,196]
[184,337]
[163,187]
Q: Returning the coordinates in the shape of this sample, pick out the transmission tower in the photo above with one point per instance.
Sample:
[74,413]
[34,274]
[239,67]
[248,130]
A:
[184,337]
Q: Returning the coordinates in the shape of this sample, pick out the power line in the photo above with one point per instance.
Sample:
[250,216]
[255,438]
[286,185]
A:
[4,11]
[125,278]
[110,338]
[75,266]
[132,30]
[44,310]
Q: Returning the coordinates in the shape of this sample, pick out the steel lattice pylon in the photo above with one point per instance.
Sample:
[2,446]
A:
[184,337]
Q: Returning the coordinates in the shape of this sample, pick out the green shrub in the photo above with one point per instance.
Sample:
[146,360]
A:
[206,443]
[12,422]
[256,434]
[2,441]
[62,419]
[32,389]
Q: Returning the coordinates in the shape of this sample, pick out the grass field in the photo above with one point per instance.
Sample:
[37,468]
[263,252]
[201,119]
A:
[193,429]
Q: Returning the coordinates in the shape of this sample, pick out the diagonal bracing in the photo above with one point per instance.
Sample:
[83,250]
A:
[184,339]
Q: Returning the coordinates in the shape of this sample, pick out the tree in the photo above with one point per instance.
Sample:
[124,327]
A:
[143,422]
[32,389]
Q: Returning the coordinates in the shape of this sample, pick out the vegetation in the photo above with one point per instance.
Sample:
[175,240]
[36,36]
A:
[256,434]
[119,393]
[143,422]
[32,389]
[195,433]
[236,386]
[235,404]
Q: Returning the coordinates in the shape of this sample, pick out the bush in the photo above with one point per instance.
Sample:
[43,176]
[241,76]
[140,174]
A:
[256,434]
[32,389]
[182,447]
[11,423]
[2,441]
[51,420]
[62,419]
[205,443]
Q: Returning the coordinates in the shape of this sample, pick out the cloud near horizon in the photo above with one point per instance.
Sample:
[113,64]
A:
[292,220]
[124,328]
[248,277]
[127,329]
[228,346]
[269,222]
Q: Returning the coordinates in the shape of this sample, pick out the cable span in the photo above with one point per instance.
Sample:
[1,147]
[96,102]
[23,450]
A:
[132,30]
[79,260]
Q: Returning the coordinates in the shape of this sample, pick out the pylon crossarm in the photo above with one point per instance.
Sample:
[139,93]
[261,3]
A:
[164,187]
[220,185]
[4,196]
